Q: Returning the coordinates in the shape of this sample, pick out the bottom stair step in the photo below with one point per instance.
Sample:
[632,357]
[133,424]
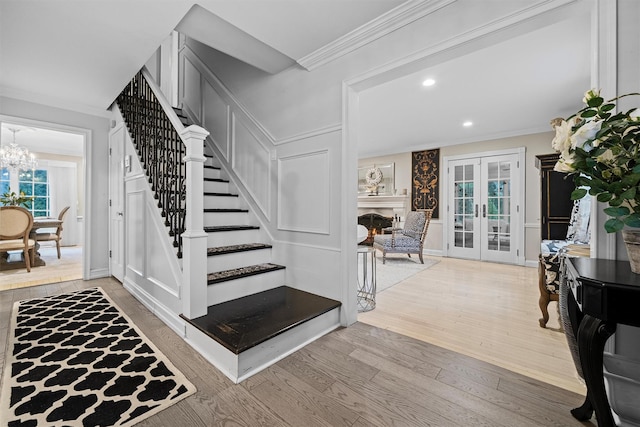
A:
[246,322]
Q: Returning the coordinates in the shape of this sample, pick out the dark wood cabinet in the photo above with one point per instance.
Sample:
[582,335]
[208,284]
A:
[556,203]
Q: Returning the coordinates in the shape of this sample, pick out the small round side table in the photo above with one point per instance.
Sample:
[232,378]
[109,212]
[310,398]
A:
[367,278]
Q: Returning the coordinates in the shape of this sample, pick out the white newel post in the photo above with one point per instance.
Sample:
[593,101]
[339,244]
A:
[194,239]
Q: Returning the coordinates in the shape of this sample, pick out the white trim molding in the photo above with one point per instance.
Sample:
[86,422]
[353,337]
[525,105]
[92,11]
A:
[394,19]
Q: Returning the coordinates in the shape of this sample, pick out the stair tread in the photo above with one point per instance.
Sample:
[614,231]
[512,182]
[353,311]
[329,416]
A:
[216,180]
[220,194]
[217,210]
[211,167]
[221,250]
[239,273]
[245,322]
[218,228]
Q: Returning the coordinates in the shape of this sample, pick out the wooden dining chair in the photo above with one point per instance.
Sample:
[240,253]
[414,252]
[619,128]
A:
[15,226]
[55,236]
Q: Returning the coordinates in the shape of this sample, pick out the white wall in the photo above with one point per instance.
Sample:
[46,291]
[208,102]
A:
[96,212]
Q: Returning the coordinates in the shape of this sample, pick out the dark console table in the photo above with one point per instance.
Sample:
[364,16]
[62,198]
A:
[605,293]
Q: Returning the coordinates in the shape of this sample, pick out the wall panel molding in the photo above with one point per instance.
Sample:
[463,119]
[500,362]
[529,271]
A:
[305,183]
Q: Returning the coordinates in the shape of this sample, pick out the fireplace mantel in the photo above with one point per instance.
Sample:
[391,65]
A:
[384,205]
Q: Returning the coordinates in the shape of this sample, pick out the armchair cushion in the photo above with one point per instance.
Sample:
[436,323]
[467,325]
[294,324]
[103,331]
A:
[400,243]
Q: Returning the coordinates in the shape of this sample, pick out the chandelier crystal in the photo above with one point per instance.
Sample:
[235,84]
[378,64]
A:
[15,157]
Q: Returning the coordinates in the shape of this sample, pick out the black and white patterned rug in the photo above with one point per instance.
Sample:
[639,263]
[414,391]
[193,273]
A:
[76,359]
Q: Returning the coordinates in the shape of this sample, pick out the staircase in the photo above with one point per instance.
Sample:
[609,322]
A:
[252,318]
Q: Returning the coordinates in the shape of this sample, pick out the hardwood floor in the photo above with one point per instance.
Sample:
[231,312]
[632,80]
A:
[356,376]
[485,310]
[68,267]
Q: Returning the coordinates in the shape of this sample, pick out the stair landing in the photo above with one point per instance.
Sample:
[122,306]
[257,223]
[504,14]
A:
[246,322]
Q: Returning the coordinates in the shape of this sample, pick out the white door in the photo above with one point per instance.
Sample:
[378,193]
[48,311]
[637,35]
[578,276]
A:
[483,212]
[499,208]
[116,202]
[464,209]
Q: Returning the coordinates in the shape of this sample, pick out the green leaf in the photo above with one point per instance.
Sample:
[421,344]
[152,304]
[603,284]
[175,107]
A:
[613,225]
[604,197]
[629,194]
[595,102]
[589,113]
[578,193]
[582,181]
[616,202]
[607,107]
[617,211]
[631,180]
[633,220]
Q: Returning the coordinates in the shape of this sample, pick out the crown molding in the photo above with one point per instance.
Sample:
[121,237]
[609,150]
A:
[398,17]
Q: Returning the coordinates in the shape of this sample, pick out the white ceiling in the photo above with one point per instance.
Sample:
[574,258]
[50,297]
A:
[38,140]
[514,87]
[79,55]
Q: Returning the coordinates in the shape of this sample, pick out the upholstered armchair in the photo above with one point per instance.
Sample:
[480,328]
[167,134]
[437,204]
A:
[15,226]
[576,244]
[408,240]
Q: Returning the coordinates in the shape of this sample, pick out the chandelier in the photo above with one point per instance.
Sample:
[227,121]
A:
[15,157]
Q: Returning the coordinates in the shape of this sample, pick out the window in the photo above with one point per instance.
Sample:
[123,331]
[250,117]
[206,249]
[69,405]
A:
[35,183]
[32,183]
[5,181]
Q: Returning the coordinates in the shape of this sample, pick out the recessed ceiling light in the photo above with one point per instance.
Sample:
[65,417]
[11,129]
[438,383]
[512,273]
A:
[428,82]
[467,124]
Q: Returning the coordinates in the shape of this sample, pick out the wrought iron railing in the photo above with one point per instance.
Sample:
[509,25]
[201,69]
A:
[160,150]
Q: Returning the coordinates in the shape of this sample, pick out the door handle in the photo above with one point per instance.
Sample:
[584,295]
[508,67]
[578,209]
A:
[476,211]
[484,211]
[119,213]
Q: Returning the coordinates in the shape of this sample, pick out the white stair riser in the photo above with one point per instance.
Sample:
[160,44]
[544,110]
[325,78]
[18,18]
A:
[232,289]
[222,202]
[216,187]
[236,237]
[240,367]
[237,260]
[226,218]
[212,173]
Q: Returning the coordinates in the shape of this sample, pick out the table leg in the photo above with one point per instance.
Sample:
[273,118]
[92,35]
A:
[592,336]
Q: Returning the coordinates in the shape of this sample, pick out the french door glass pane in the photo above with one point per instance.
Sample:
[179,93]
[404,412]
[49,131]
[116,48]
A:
[498,206]
[463,206]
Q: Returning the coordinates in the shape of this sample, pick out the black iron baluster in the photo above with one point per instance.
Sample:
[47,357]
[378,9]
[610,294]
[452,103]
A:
[160,151]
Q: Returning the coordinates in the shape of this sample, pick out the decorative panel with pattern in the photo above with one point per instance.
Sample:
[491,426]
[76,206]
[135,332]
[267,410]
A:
[425,187]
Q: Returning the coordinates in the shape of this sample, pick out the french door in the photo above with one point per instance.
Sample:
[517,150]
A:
[483,208]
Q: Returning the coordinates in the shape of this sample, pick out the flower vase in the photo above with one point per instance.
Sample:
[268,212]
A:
[632,242]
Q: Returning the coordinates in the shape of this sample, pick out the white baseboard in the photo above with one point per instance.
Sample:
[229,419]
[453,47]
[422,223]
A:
[432,252]
[531,263]
[161,311]
[98,273]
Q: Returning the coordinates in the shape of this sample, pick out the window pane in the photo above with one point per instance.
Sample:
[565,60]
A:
[40,203]
[40,175]
[41,189]
[25,187]
[4,187]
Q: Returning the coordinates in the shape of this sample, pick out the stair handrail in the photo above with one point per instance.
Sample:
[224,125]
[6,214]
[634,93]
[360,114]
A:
[173,160]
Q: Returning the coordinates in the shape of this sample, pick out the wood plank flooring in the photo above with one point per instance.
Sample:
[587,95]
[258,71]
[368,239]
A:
[68,267]
[485,310]
[356,376]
